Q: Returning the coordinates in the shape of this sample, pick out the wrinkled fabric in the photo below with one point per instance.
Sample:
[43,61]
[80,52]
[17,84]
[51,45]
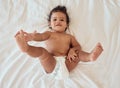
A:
[91,21]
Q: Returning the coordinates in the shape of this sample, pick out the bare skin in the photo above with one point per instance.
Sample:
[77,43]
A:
[56,49]
[57,44]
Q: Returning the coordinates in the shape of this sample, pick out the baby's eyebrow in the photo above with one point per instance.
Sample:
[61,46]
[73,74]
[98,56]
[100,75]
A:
[59,17]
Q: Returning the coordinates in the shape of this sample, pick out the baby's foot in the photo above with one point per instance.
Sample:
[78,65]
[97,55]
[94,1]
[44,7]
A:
[96,52]
[22,43]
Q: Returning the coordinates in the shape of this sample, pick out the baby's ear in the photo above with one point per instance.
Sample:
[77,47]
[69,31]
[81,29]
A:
[67,27]
[49,24]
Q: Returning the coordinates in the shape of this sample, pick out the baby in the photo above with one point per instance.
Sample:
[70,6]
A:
[62,52]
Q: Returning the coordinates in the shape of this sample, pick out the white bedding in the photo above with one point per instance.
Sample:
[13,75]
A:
[92,21]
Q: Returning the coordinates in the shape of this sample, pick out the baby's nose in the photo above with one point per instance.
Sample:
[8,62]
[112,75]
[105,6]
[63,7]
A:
[58,21]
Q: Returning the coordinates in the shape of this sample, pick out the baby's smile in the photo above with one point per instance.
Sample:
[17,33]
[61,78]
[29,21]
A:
[58,25]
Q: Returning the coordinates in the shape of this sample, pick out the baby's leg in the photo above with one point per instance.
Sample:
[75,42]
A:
[96,52]
[46,59]
[85,57]
[71,65]
[23,45]
[20,39]
[92,56]
[82,56]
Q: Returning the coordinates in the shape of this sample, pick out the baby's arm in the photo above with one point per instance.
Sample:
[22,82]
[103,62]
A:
[74,49]
[75,45]
[41,36]
[36,36]
[85,56]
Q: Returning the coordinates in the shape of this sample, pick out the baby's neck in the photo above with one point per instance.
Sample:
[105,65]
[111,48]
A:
[57,31]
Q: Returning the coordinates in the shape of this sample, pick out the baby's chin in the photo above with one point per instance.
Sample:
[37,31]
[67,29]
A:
[59,29]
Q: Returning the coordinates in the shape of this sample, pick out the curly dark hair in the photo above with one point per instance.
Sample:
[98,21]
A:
[59,9]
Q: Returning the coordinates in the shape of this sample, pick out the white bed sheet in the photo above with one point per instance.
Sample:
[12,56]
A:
[92,21]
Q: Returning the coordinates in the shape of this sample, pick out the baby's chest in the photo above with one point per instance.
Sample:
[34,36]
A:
[64,41]
[58,43]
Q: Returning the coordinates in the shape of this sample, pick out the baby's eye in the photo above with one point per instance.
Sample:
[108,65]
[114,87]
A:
[62,20]
[54,19]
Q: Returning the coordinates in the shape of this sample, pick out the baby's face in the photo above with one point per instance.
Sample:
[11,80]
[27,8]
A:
[58,22]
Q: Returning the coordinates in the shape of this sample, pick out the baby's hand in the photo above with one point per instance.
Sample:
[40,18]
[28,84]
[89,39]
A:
[72,55]
[27,36]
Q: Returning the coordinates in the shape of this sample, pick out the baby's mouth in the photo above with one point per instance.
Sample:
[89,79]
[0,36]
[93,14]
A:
[58,25]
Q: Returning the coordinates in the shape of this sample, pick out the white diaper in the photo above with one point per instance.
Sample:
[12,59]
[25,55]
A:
[60,71]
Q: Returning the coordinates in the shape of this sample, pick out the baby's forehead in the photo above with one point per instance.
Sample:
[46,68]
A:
[58,15]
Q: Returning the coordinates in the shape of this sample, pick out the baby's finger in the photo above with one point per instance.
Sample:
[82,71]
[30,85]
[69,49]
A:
[17,33]
[21,32]
[76,51]
[70,59]
[75,54]
[25,32]
[67,57]
[73,58]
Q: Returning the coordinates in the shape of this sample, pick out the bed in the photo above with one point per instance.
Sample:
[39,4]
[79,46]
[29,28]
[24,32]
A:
[91,21]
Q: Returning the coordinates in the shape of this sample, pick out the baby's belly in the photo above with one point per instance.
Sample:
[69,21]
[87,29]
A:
[57,52]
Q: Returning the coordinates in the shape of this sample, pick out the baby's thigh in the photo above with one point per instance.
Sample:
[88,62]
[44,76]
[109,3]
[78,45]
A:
[48,61]
[71,65]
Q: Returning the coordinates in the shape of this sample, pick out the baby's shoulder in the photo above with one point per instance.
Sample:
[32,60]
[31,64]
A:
[47,32]
[69,35]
